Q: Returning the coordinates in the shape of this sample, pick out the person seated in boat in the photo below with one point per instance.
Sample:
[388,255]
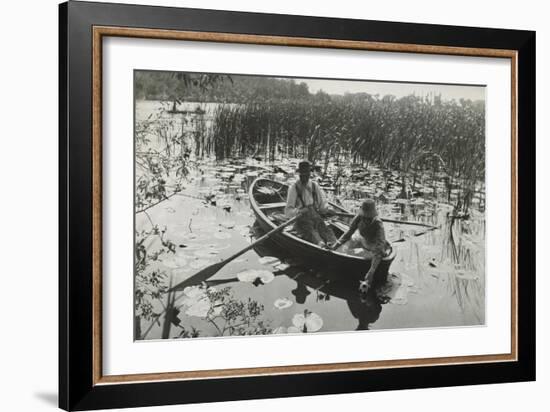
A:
[308,200]
[372,239]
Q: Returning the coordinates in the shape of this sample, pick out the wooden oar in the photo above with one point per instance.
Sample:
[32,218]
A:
[401,222]
[211,270]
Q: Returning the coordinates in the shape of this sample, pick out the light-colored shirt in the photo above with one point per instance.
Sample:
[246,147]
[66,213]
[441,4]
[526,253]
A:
[310,195]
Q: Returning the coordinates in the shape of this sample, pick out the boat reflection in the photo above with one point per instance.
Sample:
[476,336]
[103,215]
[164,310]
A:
[326,284]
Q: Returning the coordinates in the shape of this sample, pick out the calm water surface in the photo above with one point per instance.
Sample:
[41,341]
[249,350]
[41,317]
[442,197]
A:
[424,288]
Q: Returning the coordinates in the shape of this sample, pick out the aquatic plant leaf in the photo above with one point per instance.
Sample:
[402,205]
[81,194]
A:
[282,303]
[194,291]
[200,308]
[269,260]
[228,224]
[251,276]
[307,321]
[281,267]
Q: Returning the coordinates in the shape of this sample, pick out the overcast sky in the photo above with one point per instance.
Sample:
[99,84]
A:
[447,92]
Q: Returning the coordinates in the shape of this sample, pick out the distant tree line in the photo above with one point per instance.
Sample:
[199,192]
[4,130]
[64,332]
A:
[207,88]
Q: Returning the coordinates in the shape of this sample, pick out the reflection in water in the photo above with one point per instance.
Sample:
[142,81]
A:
[366,309]
[212,219]
[301,292]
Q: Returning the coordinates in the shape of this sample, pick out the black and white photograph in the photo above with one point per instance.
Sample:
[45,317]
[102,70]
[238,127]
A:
[278,205]
[253,206]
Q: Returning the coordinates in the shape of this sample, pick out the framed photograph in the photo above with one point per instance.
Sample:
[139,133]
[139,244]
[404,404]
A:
[257,205]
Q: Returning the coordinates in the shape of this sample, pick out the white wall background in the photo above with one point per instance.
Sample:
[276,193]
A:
[28,202]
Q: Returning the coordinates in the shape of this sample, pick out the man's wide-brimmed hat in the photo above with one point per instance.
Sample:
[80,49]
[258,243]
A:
[369,208]
[304,167]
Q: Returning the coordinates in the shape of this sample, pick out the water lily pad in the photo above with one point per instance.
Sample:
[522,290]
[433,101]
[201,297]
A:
[254,275]
[199,308]
[307,321]
[228,224]
[194,291]
[193,295]
[269,260]
[282,303]
[281,267]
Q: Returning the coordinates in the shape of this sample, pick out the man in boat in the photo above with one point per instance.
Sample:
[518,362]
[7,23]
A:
[307,200]
[372,239]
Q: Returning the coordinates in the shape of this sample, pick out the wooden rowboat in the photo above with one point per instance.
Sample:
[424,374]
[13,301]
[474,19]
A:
[268,201]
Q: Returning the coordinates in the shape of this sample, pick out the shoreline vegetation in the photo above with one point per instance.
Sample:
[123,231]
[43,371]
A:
[205,136]
[271,119]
